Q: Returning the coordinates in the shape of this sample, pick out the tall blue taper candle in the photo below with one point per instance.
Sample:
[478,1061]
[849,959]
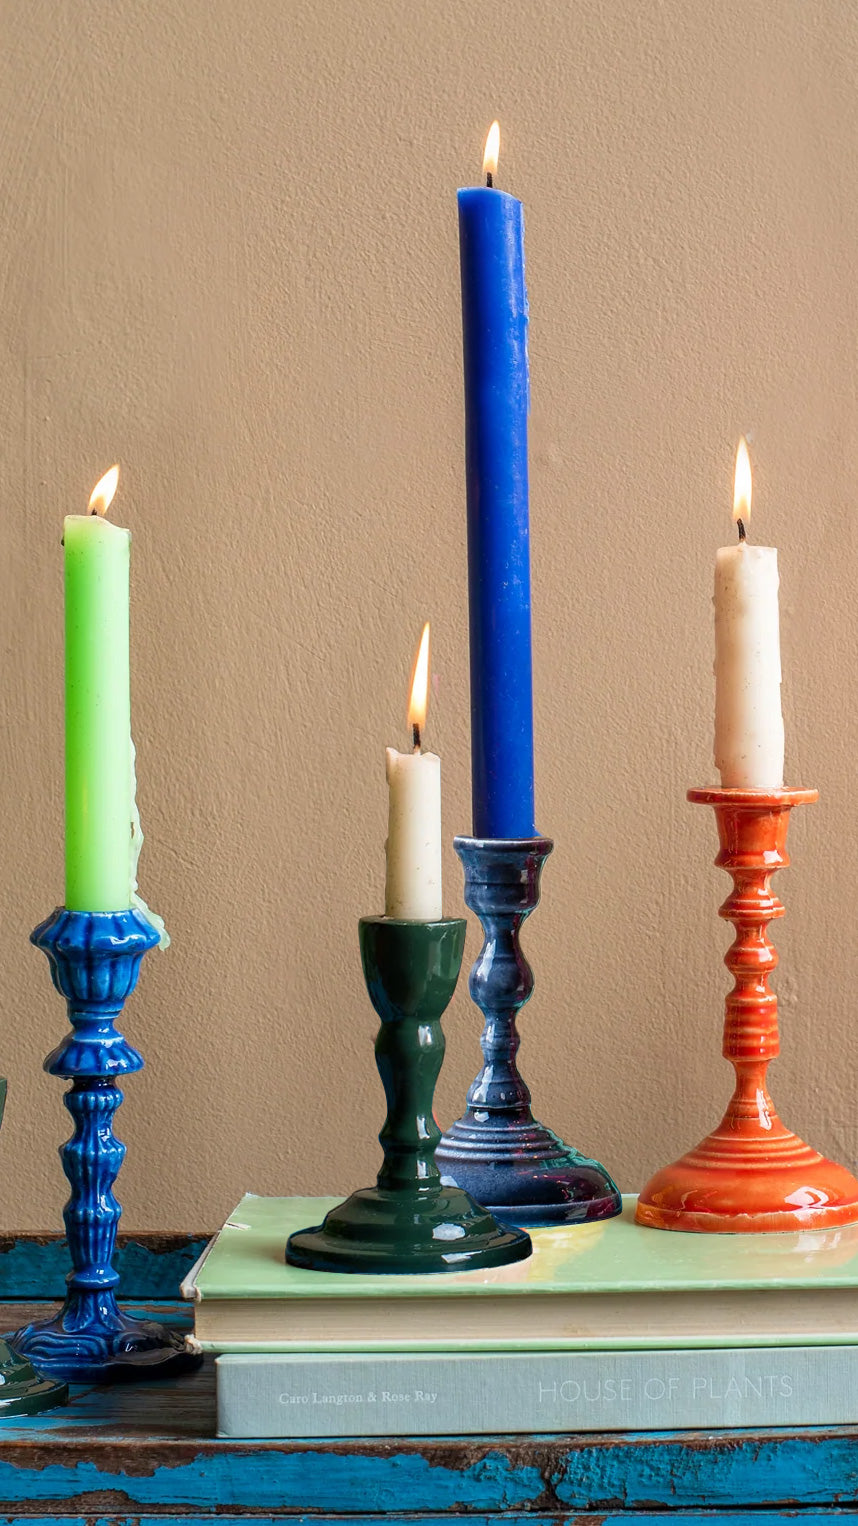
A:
[494,328]
[497,1151]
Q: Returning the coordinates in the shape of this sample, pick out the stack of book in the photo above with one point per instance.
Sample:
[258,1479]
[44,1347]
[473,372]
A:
[606,1327]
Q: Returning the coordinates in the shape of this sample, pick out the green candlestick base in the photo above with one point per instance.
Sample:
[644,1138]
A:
[409,1222]
[23,1391]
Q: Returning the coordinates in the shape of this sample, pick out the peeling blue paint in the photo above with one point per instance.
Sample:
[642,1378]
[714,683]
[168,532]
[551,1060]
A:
[685,1473]
[277,1480]
[151,1267]
[788,1518]
[703,1470]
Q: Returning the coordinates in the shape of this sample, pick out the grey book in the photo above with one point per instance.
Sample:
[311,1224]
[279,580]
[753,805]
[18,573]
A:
[473,1393]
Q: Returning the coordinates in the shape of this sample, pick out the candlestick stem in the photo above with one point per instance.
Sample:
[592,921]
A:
[497,1151]
[95,962]
[751,1174]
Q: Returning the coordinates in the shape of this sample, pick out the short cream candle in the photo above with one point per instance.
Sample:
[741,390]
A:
[749,728]
[413,882]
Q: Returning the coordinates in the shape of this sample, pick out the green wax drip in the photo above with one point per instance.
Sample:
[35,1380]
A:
[103,836]
[136,844]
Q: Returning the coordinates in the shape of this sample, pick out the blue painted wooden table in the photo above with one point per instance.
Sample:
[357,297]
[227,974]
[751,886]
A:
[130,1453]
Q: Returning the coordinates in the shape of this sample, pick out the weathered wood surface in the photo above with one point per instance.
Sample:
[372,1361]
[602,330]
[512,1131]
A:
[149,1265]
[834,1517]
[150,1449]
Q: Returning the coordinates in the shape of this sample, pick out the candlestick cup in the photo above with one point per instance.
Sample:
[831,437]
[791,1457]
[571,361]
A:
[520,1169]
[409,1221]
[751,1173]
[95,961]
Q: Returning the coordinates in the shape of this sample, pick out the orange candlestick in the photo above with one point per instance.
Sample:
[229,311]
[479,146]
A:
[751,1173]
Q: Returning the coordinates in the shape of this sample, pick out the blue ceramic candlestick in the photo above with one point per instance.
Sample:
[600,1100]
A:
[494,332]
[517,1168]
[95,961]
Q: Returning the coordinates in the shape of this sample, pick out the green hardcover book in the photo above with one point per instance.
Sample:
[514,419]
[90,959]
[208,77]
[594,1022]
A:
[602,1286]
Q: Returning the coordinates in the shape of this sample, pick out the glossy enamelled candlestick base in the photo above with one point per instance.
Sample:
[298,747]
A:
[497,1151]
[409,1222]
[95,961]
[751,1173]
[23,1390]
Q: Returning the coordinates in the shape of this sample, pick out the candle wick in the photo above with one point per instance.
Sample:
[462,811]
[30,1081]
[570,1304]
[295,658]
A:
[490,179]
[741,528]
[415,737]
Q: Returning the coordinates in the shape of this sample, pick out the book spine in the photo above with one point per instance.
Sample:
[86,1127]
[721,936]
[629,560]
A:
[462,1393]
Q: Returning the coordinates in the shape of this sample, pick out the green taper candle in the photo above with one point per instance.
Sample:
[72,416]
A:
[99,767]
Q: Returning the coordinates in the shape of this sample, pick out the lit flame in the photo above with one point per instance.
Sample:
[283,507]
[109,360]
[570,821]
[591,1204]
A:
[742,484]
[102,493]
[418,700]
[490,157]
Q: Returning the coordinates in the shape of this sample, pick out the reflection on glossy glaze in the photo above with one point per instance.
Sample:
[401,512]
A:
[751,1173]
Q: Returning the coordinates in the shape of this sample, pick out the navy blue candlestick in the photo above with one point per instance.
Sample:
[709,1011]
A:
[517,1168]
[95,961]
[494,331]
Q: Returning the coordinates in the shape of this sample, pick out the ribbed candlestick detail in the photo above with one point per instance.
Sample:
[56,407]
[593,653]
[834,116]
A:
[751,1173]
[95,961]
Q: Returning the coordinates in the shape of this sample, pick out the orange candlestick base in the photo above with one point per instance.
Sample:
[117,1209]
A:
[751,1174]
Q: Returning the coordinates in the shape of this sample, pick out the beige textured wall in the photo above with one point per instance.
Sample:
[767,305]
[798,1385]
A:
[228,259]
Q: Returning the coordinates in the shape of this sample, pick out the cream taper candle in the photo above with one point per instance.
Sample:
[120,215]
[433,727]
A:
[749,728]
[412,889]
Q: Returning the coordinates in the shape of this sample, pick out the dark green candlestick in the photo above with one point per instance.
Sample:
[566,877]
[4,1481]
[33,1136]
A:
[409,1222]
